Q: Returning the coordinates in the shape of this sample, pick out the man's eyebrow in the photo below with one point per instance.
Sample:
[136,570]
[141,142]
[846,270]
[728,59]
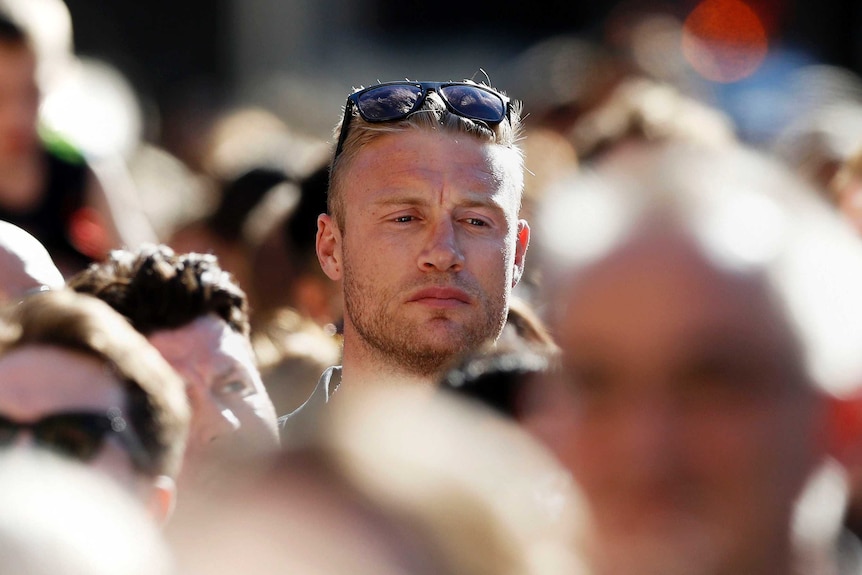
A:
[481,202]
[227,370]
[421,200]
[400,200]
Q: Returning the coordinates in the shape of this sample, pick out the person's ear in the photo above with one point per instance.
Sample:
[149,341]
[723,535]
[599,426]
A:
[162,499]
[329,252]
[522,241]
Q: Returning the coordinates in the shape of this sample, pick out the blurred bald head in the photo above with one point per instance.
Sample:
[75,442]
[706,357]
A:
[25,264]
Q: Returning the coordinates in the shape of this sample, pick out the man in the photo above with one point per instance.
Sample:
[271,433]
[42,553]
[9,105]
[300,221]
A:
[75,378]
[422,229]
[707,307]
[77,209]
[197,317]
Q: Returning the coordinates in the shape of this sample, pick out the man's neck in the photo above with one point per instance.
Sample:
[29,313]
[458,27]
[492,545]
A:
[359,374]
[362,368]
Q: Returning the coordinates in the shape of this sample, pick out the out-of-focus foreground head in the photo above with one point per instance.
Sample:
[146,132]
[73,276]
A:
[401,483]
[706,303]
[195,314]
[59,517]
[76,378]
[25,265]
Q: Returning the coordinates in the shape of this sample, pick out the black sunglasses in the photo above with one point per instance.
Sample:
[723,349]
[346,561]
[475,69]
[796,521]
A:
[393,101]
[79,435]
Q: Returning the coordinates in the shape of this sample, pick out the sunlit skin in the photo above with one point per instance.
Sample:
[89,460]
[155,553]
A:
[682,410]
[431,250]
[232,415]
[39,380]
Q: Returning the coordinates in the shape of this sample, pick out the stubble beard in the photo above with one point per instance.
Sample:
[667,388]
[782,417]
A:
[404,344]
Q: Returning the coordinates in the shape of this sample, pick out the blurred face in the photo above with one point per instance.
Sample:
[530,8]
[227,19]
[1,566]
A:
[681,410]
[19,101]
[232,415]
[431,249]
[37,381]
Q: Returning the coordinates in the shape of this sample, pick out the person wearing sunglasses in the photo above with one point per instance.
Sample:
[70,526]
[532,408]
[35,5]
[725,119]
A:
[422,230]
[76,379]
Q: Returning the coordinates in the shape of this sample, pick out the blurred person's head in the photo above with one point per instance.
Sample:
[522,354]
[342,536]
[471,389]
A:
[194,313]
[706,302]
[25,264]
[61,517]
[400,483]
[292,351]
[819,140]
[77,379]
[19,91]
[524,328]
[285,267]
[234,228]
[422,226]
[496,375]
[640,110]
[562,77]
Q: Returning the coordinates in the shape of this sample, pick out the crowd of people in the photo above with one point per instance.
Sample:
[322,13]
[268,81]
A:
[607,335]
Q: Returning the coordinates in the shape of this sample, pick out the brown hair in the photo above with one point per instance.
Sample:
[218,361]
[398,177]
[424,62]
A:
[155,396]
[154,288]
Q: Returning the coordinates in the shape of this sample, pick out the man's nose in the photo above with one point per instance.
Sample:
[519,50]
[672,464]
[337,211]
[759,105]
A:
[442,251]
[650,433]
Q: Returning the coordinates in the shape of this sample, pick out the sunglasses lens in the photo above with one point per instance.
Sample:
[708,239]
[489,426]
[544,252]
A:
[76,435]
[475,103]
[389,102]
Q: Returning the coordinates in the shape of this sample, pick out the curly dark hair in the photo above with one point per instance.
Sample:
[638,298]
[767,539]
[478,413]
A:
[155,289]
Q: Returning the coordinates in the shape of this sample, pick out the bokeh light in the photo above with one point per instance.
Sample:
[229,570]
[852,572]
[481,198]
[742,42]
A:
[724,40]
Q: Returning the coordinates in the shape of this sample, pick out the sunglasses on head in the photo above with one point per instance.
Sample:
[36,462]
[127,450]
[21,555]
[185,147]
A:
[79,435]
[395,101]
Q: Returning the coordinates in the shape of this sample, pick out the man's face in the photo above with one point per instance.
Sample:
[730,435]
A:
[431,249]
[19,101]
[232,415]
[37,381]
[682,410]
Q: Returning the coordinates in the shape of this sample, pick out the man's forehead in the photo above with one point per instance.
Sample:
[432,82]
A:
[36,377]
[207,340]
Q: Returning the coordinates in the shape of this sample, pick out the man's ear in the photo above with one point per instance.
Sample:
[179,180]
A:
[162,499]
[522,240]
[329,252]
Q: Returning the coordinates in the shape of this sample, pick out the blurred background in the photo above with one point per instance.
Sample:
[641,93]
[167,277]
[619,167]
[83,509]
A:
[299,58]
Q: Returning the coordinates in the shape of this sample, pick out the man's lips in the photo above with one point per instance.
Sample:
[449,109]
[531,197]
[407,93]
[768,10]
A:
[440,297]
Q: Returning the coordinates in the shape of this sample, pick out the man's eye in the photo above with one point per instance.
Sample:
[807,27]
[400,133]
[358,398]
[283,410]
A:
[404,219]
[231,387]
[476,222]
